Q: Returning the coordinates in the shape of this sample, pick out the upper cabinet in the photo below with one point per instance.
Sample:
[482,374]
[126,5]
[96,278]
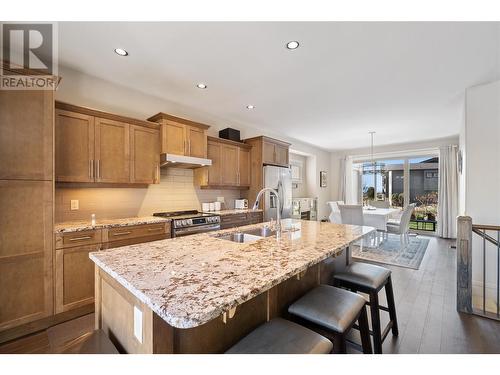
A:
[230,165]
[180,136]
[93,146]
[270,151]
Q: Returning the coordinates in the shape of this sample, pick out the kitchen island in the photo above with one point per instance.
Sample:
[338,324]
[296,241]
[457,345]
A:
[202,293]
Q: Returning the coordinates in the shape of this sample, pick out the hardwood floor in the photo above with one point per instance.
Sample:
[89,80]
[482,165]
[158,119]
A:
[425,303]
[426,310]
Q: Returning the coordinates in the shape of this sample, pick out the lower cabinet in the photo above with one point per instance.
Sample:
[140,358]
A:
[74,271]
[241,219]
[74,277]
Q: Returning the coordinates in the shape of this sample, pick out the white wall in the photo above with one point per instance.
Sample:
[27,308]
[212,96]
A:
[481,141]
[81,89]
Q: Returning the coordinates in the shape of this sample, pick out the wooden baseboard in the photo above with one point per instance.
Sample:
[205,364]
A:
[42,324]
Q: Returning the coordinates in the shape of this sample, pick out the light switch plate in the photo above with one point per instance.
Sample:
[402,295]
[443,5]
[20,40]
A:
[138,324]
[75,204]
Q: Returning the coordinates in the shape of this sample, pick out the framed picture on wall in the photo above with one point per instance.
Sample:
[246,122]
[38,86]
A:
[322,179]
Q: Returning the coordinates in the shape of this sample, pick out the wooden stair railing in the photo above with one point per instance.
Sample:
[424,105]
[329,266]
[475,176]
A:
[465,229]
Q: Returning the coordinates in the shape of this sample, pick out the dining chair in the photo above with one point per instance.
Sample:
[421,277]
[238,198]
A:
[351,214]
[335,212]
[403,226]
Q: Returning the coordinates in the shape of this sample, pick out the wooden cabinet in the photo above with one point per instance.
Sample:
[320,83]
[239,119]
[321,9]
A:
[274,152]
[112,151]
[74,285]
[25,251]
[230,165]
[241,219]
[94,146]
[74,136]
[74,270]
[180,136]
[26,133]
[26,206]
[196,140]
[172,138]
[264,151]
[214,172]
[144,155]
[244,165]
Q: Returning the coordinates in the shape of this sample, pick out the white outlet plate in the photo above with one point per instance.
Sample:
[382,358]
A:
[75,204]
[220,199]
[138,324]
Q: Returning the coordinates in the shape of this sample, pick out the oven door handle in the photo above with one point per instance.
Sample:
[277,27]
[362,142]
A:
[198,229]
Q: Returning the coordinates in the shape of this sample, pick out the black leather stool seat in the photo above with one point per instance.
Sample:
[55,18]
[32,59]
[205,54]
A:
[280,336]
[364,274]
[333,308]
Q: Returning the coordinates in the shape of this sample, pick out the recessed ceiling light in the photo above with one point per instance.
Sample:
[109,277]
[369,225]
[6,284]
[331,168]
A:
[292,45]
[201,86]
[250,106]
[121,52]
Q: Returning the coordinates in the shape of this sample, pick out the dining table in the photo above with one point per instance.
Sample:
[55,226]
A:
[378,217]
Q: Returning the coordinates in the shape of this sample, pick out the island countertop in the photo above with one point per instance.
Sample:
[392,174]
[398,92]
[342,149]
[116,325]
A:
[188,281]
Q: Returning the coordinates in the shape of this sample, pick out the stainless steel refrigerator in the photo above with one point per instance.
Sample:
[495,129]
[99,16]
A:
[279,179]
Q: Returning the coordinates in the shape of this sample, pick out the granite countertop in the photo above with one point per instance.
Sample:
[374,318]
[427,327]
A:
[232,211]
[191,280]
[77,226]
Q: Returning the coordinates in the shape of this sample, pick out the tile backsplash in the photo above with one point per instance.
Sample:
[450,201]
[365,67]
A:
[176,191]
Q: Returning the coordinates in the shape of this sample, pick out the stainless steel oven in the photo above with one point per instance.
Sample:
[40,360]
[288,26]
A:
[185,223]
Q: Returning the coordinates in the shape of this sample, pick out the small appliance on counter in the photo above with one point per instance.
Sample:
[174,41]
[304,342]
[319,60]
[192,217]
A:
[241,204]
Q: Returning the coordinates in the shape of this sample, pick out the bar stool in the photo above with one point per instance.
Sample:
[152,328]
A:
[332,312]
[370,279]
[280,336]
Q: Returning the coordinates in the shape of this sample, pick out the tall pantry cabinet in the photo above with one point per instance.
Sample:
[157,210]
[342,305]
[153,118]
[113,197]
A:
[26,206]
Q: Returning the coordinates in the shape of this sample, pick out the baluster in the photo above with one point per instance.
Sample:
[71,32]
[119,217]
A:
[484,271]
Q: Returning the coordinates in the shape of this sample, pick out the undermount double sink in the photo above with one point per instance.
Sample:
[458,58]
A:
[250,235]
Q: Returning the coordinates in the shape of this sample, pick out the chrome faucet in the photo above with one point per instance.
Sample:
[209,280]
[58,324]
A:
[278,208]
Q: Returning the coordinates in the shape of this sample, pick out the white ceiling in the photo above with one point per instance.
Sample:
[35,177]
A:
[403,80]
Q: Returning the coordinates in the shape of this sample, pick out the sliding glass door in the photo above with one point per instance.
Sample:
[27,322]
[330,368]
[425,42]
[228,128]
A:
[398,182]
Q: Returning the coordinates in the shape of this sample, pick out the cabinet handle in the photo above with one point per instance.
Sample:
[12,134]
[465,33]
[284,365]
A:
[121,233]
[80,238]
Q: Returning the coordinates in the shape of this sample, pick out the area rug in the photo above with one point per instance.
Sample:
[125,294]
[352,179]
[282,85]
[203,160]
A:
[390,252]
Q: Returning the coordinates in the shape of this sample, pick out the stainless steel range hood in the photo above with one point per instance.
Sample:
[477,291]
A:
[181,161]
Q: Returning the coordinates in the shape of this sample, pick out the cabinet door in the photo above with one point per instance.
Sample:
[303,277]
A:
[74,284]
[196,142]
[25,251]
[74,150]
[230,165]
[281,155]
[268,154]
[244,167]
[112,151]
[144,155]
[173,138]
[26,133]
[214,153]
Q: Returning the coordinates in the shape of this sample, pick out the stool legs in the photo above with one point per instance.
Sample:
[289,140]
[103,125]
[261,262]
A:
[364,330]
[375,314]
[392,307]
